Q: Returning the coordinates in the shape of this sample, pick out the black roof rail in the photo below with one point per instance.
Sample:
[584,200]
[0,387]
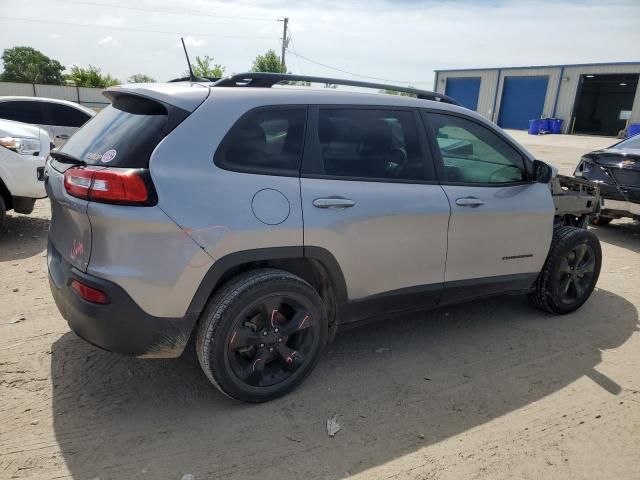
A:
[267,80]
[188,79]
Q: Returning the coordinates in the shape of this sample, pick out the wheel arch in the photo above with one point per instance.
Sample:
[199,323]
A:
[315,265]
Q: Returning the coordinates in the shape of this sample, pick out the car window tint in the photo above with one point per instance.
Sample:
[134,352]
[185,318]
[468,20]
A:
[264,141]
[474,154]
[129,129]
[22,111]
[368,143]
[64,115]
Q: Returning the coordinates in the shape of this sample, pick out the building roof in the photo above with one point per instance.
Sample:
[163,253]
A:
[477,69]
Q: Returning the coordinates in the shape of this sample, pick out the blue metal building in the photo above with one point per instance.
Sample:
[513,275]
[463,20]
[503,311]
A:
[592,99]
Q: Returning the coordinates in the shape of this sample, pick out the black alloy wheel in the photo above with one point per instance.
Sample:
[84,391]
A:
[576,273]
[570,272]
[261,335]
[271,340]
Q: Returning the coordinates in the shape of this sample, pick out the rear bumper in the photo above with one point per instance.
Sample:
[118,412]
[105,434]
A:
[120,326]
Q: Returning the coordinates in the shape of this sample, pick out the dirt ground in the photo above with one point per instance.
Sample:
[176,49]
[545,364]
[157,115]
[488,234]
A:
[491,389]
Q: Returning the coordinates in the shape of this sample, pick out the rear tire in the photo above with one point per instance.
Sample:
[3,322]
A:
[3,212]
[600,220]
[570,272]
[261,335]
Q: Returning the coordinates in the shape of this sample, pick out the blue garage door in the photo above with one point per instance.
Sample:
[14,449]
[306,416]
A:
[465,90]
[522,100]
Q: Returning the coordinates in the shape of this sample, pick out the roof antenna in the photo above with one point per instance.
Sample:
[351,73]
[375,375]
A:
[192,77]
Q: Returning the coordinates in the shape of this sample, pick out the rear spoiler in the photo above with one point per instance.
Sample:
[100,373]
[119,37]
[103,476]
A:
[184,96]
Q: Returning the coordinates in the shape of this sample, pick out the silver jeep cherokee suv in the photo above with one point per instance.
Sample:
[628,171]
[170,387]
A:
[260,219]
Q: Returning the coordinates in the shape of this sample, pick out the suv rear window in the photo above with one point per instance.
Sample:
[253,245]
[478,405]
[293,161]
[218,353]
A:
[367,143]
[122,135]
[266,141]
[64,115]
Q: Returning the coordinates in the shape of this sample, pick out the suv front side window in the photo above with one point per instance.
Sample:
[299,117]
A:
[267,140]
[473,154]
[370,144]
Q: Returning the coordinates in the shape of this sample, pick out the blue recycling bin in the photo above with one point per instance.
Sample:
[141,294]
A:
[538,126]
[633,129]
[555,125]
[544,125]
[534,126]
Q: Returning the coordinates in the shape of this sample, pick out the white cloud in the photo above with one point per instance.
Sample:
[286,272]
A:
[109,41]
[190,41]
[54,36]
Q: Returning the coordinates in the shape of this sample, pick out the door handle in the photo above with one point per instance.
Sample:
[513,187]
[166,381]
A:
[472,202]
[333,202]
[63,136]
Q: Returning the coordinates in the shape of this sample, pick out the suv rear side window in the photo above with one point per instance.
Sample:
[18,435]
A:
[129,130]
[64,115]
[23,111]
[370,144]
[473,154]
[266,141]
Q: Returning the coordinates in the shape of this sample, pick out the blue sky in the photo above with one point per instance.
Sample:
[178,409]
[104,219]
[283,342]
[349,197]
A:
[396,40]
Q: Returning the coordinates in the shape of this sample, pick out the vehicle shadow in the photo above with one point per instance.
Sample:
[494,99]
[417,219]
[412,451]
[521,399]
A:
[435,374]
[22,237]
[624,234]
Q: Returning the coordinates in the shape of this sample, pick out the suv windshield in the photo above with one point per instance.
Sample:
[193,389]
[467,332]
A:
[122,135]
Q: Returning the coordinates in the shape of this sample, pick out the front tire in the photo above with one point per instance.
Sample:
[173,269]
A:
[261,335]
[600,220]
[570,272]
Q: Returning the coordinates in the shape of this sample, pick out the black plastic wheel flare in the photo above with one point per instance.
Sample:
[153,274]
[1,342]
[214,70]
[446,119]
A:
[271,340]
[576,273]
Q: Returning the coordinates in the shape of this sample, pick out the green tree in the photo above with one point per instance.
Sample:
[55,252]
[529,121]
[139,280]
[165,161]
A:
[140,78]
[90,77]
[26,64]
[402,94]
[269,62]
[204,67]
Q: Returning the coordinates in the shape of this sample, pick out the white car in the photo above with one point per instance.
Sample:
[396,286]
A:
[23,153]
[59,118]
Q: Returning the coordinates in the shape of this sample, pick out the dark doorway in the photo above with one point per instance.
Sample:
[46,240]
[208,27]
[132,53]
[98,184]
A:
[600,101]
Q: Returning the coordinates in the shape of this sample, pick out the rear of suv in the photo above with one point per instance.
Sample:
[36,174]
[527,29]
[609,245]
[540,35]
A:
[262,219]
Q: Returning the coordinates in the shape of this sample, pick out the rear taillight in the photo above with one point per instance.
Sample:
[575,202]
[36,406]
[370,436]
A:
[88,293]
[123,186]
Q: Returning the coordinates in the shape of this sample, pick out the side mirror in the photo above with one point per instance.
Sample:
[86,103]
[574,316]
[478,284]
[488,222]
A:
[541,172]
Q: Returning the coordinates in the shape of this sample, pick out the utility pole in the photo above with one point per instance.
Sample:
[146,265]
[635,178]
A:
[284,43]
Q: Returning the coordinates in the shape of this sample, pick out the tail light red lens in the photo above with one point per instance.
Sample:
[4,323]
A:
[77,182]
[88,293]
[124,186]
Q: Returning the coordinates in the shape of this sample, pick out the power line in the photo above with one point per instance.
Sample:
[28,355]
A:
[130,29]
[173,12]
[294,46]
[352,73]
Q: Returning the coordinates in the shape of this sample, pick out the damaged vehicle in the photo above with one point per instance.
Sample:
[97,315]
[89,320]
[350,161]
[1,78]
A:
[616,171]
[259,221]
